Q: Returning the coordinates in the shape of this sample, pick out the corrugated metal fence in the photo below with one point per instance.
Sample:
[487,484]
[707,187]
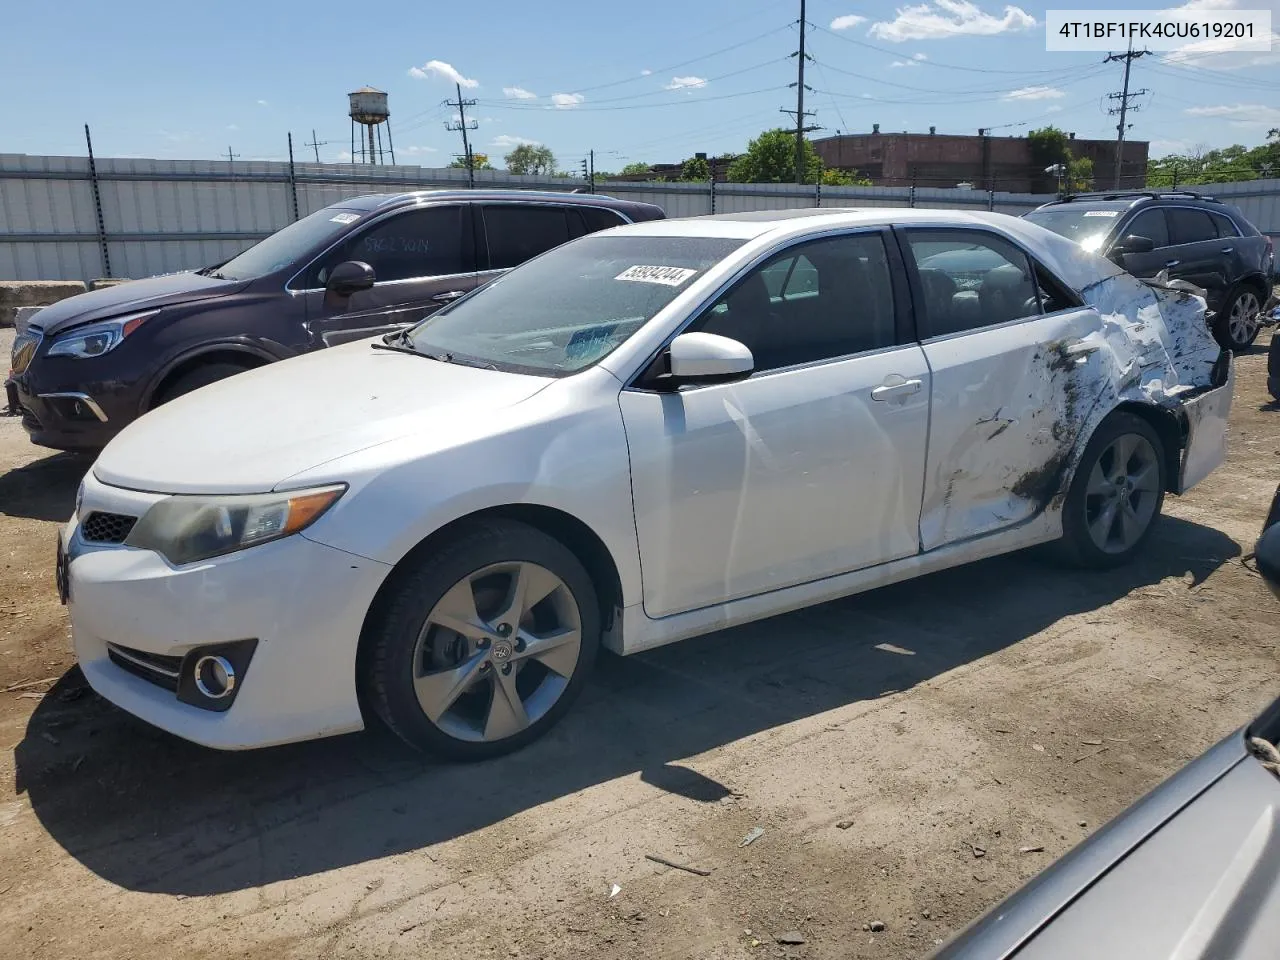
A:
[62,220]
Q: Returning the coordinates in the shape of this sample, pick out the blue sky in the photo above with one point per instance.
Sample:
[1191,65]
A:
[653,82]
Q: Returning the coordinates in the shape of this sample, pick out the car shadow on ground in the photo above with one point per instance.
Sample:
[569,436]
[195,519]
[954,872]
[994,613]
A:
[45,489]
[153,813]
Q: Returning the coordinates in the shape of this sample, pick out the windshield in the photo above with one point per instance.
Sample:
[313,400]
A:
[572,306]
[286,246]
[1086,227]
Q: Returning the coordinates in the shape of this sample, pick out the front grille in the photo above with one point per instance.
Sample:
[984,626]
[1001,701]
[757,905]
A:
[24,348]
[101,527]
[160,670]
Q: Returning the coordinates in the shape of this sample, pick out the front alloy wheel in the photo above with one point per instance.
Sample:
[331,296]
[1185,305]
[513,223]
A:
[478,645]
[497,651]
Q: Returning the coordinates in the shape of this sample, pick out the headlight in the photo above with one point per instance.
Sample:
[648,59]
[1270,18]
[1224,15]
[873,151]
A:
[185,529]
[98,338]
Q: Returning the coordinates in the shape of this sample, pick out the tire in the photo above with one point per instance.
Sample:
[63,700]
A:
[196,378]
[411,665]
[1084,511]
[1236,325]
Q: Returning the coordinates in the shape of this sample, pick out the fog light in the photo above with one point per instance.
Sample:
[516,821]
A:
[215,677]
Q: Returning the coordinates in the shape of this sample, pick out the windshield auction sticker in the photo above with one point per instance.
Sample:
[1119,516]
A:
[1190,31]
[667,276]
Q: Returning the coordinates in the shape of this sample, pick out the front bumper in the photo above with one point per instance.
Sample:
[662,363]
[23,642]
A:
[65,417]
[303,602]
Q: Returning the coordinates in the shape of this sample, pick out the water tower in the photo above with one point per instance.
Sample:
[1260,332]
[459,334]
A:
[368,107]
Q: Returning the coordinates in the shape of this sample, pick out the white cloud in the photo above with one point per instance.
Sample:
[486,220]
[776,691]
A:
[913,62]
[1034,93]
[438,68]
[1219,54]
[1240,114]
[519,93]
[847,21]
[232,126]
[919,56]
[506,141]
[949,18]
[1169,146]
[1054,109]
[646,72]
[414,151]
[566,101]
[686,83]
[263,103]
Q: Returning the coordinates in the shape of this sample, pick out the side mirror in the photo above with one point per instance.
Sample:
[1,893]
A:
[1266,552]
[350,276]
[704,358]
[1135,244]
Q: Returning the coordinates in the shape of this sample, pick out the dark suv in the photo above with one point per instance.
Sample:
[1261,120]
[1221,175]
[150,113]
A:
[87,366]
[1196,238]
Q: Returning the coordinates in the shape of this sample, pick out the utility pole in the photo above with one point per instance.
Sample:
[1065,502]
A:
[461,106]
[1123,97]
[317,144]
[231,156]
[799,111]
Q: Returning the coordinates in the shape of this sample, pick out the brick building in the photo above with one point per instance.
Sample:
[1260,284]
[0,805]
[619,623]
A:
[944,160]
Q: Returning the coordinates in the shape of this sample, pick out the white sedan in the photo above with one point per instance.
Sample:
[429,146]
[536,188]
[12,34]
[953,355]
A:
[644,435]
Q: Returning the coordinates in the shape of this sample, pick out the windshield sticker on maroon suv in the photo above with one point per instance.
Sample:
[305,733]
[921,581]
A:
[1102,213]
[667,276]
[345,218]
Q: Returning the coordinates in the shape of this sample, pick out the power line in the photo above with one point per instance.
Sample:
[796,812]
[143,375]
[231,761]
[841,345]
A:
[799,112]
[529,105]
[317,144]
[931,63]
[1123,97]
[461,106]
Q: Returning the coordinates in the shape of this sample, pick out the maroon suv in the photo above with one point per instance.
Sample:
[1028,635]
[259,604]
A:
[87,366]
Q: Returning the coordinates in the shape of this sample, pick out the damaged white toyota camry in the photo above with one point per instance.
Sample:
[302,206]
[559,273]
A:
[644,435]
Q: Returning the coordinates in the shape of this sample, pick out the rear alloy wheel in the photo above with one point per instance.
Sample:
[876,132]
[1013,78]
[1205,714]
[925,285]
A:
[484,645]
[1116,494]
[1237,325]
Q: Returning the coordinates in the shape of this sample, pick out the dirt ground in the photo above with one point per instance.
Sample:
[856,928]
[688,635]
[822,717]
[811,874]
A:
[1016,705]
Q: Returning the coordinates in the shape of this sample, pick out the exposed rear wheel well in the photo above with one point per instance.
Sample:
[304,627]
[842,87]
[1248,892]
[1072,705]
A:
[238,358]
[1172,432]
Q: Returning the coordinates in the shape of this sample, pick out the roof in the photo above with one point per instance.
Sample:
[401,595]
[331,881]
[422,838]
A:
[375,201]
[1064,257]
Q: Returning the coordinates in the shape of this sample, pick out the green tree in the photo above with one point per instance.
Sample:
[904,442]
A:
[1079,174]
[632,169]
[481,161]
[831,177]
[1049,145]
[530,158]
[695,169]
[771,158]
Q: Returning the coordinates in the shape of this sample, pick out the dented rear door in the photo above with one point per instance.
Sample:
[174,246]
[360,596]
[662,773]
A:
[1010,384]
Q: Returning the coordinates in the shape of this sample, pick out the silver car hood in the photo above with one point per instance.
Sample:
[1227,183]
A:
[1190,872]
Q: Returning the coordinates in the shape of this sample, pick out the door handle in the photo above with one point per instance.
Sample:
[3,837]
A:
[1228,250]
[448,295]
[1172,263]
[887,391]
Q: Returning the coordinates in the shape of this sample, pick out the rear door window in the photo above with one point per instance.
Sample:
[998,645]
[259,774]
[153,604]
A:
[416,243]
[1150,224]
[1191,226]
[598,218]
[519,232]
[1226,226]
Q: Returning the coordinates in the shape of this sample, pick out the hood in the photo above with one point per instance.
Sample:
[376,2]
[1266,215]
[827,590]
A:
[249,433]
[130,297]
